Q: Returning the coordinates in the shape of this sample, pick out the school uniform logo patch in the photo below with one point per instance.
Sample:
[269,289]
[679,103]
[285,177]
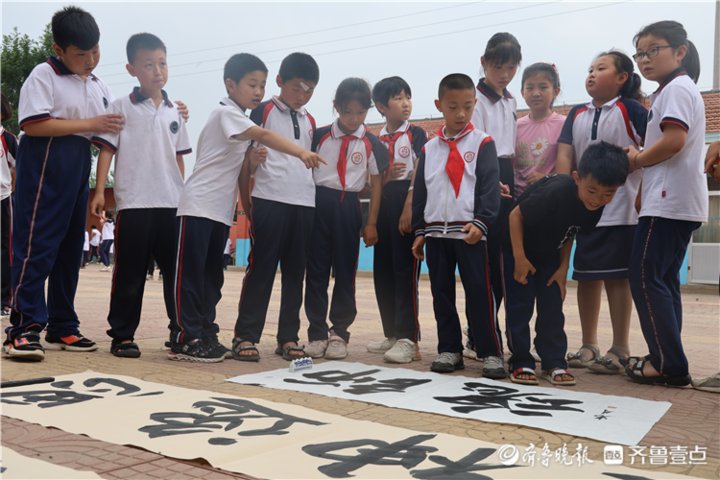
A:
[404,151]
[174,127]
[356,158]
[469,156]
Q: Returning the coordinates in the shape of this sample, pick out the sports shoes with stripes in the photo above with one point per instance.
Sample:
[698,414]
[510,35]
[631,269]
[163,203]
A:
[71,343]
[195,351]
[25,346]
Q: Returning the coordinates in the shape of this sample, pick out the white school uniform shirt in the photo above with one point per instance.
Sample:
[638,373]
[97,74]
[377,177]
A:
[406,147]
[95,240]
[86,242]
[282,177]
[146,169]
[7,162]
[621,122]
[677,187]
[496,115]
[228,242]
[108,230]
[360,158]
[212,191]
[53,91]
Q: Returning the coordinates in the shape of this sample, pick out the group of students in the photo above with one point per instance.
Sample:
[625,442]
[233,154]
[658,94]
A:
[497,198]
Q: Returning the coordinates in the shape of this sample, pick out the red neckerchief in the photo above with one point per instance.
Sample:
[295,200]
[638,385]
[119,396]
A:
[455,165]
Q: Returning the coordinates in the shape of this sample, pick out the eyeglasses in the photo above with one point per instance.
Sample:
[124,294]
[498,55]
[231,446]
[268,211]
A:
[651,52]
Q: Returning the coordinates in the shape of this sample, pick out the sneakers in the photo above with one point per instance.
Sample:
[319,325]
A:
[381,346]
[195,351]
[447,362]
[71,343]
[493,367]
[5,313]
[25,346]
[403,351]
[336,348]
[105,269]
[316,348]
[214,344]
[708,384]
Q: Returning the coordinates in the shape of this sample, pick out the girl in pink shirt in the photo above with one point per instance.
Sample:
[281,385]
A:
[538,132]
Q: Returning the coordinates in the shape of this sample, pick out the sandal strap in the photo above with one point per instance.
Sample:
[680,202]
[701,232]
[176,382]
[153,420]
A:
[525,370]
[585,346]
[242,348]
[554,372]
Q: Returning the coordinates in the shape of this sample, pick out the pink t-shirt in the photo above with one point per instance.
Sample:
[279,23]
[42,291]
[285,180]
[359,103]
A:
[535,148]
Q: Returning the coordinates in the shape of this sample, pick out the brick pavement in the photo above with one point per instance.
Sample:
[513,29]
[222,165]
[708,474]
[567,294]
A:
[692,420]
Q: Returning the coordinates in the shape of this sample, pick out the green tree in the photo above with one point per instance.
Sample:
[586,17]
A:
[19,55]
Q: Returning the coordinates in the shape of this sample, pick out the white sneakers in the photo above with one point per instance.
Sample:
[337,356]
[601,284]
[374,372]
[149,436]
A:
[316,348]
[381,346]
[403,351]
[336,349]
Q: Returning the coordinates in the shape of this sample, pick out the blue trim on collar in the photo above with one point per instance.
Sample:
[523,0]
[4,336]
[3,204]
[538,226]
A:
[673,75]
[137,97]
[58,66]
[491,94]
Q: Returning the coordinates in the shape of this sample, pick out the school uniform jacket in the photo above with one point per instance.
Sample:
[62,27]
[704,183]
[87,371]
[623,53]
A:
[437,212]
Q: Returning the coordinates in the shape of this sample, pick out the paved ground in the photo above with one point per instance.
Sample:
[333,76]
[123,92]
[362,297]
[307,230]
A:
[694,418]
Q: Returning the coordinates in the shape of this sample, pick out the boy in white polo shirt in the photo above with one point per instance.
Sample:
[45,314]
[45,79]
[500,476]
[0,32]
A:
[283,205]
[61,104]
[148,181]
[207,205]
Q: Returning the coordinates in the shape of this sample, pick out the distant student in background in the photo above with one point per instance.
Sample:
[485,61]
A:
[7,168]
[86,250]
[352,154]
[495,114]
[395,270]
[674,198]
[602,255]
[108,238]
[226,254]
[94,244]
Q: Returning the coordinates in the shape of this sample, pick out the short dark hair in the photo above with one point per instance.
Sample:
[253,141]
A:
[240,65]
[387,88]
[607,163]
[503,47]
[455,81]
[353,89]
[6,108]
[299,65]
[74,26]
[143,41]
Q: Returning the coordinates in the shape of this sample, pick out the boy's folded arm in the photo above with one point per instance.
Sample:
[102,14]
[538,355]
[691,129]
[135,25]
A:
[58,127]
